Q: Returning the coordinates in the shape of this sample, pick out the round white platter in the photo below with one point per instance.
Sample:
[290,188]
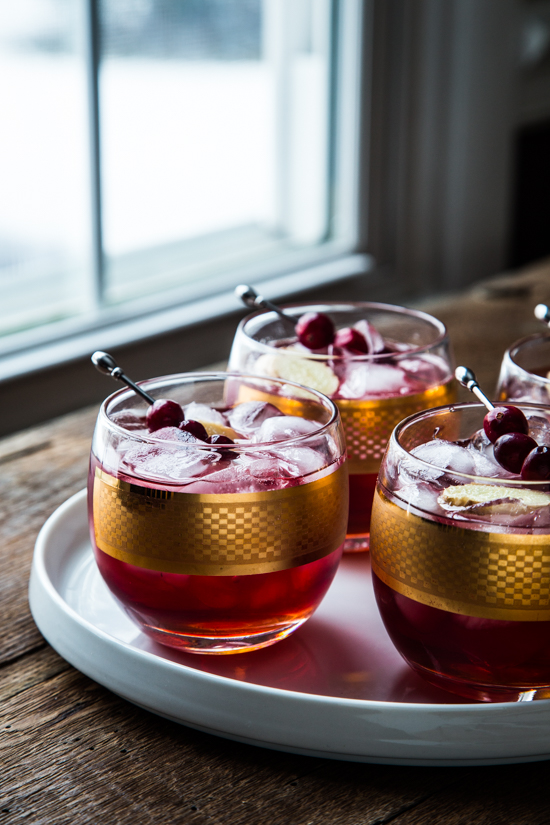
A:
[336,688]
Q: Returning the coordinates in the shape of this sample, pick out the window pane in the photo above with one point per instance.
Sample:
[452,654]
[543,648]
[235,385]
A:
[44,198]
[214,151]
[207,109]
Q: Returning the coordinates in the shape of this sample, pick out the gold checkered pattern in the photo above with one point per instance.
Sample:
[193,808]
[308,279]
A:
[369,424]
[220,535]
[475,573]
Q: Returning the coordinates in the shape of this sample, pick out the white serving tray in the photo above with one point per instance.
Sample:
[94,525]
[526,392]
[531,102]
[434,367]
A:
[335,688]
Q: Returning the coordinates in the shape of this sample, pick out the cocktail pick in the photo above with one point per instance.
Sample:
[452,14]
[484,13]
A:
[499,421]
[250,298]
[106,364]
[542,313]
[466,377]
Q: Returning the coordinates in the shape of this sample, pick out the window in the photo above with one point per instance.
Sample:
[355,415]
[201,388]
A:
[43,164]
[154,153]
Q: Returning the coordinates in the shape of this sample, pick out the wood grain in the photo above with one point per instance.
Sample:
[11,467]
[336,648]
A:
[72,752]
[485,321]
[39,469]
[68,745]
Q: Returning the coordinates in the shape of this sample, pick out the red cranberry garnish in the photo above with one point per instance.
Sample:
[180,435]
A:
[195,428]
[219,439]
[163,413]
[511,450]
[536,466]
[352,340]
[315,330]
[504,419]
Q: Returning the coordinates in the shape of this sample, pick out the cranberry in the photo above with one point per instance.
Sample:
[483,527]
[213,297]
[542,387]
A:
[315,330]
[219,439]
[511,450]
[195,428]
[163,413]
[223,439]
[504,419]
[536,466]
[352,340]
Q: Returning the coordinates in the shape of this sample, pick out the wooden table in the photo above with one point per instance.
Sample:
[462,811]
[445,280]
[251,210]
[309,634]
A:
[72,752]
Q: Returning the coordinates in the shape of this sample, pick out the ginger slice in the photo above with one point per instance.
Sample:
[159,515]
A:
[305,371]
[469,495]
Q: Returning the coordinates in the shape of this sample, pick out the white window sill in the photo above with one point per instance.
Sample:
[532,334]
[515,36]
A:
[41,382]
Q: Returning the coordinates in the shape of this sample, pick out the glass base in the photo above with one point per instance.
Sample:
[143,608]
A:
[482,692]
[219,644]
[356,544]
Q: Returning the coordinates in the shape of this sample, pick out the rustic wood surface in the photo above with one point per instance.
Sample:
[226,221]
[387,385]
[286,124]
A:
[72,752]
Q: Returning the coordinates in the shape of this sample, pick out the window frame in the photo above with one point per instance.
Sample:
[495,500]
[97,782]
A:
[289,273]
[59,353]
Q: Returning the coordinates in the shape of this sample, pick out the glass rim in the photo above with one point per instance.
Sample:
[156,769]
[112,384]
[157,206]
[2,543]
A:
[394,309]
[450,408]
[513,349]
[195,377]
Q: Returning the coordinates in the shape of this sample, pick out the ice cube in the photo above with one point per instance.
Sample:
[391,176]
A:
[167,462]
[447,455]
[539,429]
[299,460]
[479,442]
[363,379]
[248,417]
[202,413]
[427,369]
[131,420]
[421,495]
[488,466]
[270,468]
[281,428]
[232,478]
[174,434]
[373,338]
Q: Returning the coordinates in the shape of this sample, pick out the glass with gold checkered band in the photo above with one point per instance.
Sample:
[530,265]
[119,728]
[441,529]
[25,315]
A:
[460,553]
[408,367]
[225,546]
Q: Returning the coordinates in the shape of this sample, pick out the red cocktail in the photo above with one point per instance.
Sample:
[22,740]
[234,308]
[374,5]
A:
[221,545]
[460,552]
[384,363]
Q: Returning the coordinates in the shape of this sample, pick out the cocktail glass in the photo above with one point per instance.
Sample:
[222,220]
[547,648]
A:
[219,548]
[373,392]
[525,370]
[460,552]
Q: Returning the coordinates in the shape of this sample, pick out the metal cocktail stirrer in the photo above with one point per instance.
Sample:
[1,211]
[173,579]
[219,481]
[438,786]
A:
[542,313]
[466,377]
[106,364]
[250,298]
